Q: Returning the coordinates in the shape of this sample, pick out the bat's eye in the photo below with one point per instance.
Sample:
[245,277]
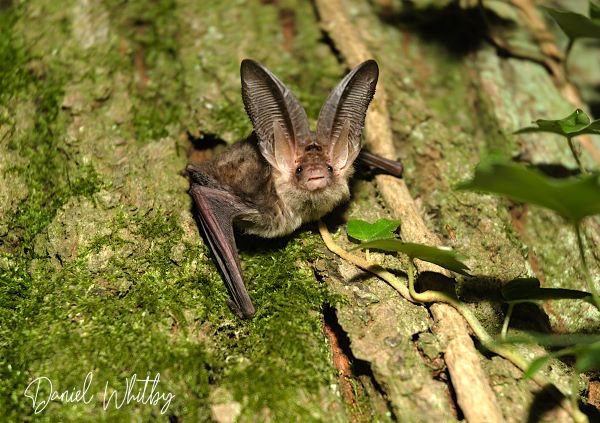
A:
[299,170]
[329,168]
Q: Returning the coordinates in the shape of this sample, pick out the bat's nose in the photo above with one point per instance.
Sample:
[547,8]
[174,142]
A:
[316,178]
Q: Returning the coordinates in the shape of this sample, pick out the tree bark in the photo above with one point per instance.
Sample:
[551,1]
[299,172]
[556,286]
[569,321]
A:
[103,270]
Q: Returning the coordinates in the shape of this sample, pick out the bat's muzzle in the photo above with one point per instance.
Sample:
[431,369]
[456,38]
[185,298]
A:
[316,177]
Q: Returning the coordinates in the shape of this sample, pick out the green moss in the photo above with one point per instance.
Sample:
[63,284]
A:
[275,371]
[13,75]
[142,295]
[230,115]
[151,32]
[114,336]
[41,206]
[50,177]
[151,323]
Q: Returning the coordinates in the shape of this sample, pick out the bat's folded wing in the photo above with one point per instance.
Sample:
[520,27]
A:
[216,210]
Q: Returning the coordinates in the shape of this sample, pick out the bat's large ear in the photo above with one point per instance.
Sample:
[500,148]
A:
[278,118]
[343,115]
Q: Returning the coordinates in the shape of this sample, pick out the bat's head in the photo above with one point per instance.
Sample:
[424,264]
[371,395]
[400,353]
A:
[313,171]
[309,161]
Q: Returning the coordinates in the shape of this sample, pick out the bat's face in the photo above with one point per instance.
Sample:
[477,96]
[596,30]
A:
[313,171]
[314,162]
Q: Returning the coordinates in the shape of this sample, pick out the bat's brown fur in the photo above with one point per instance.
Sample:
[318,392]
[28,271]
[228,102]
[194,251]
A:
[273,203]
[283,175]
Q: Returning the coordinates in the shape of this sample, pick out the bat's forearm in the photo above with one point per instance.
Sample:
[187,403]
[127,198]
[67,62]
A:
[392,167]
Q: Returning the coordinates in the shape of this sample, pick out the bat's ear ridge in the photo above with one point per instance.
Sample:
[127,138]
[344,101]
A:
[283,153]
[342,155]
[271,105]
[342,117]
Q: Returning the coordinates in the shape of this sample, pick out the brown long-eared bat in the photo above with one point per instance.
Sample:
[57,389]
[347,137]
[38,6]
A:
[284,174]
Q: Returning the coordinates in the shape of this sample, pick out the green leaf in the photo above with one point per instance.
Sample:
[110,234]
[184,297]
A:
[536,365]
[587,357]
[575,25]
[440,256]
[577,123]
[554,341]
[365,231]
[574,198]
[594,11]
[529,290]
[513,289]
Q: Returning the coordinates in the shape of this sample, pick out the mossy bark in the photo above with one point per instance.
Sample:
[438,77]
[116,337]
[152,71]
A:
[102,268]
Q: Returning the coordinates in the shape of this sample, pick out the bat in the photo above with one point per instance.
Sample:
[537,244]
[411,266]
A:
[284,174]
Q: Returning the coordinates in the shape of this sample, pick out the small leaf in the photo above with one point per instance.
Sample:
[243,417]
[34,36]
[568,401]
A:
[536,365]
[594,11]
[543,294]
[554,340]
[529,290]
[365,231]
[574,198]
[577,123]
[588,357]
[575,25]
[512,290]
[440,256]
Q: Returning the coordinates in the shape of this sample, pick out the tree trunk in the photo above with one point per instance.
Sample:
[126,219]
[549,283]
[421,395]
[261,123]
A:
[104,274]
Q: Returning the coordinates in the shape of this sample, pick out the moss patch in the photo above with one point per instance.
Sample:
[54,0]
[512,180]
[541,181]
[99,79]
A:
[102,267]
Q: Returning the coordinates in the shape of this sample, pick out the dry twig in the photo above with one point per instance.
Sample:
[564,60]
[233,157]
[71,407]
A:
[475,396]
